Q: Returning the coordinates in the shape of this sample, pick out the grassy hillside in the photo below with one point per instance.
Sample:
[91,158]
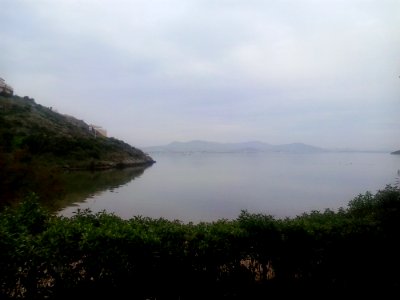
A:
[59,139]
[36,143]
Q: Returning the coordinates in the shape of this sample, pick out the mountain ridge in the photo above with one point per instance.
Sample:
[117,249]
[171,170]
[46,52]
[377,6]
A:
[250,146]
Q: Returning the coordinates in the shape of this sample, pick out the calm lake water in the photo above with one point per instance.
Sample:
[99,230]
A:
[209,186]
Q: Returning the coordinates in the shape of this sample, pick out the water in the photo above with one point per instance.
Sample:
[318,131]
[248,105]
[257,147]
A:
[209,186]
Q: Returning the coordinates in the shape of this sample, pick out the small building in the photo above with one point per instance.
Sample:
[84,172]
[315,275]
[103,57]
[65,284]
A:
[5,89]
[97,130]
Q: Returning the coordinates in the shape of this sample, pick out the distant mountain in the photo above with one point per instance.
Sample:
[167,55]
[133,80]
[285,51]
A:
[396,152]
[252,146]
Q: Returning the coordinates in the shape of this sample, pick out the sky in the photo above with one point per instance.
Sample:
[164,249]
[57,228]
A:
[324,73]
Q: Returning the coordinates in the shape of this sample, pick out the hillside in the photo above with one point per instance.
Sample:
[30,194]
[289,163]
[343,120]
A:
[60,140]
[254,146]
[38,145]
[396,152]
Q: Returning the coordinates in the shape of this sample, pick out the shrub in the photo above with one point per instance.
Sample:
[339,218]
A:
[254,256]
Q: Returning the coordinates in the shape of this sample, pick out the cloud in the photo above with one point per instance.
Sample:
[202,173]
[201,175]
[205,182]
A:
[221,70]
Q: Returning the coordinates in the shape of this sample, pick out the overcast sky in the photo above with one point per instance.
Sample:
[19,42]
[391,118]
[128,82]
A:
[325,73]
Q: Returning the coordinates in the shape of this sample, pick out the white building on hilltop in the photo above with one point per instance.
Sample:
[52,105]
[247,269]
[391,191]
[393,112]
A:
[97,130]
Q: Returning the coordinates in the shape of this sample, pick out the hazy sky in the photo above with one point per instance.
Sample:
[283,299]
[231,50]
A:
[323,72]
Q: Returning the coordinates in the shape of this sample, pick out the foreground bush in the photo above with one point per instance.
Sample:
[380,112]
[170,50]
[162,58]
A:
[255,256]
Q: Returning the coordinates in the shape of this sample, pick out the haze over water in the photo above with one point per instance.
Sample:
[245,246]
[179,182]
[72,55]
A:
[149,72]
[209,186]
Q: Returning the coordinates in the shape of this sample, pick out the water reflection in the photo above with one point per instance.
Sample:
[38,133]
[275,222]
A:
[208,186]
[78,186]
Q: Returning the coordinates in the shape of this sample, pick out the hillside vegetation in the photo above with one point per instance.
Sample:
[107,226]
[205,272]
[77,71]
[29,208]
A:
[37,142]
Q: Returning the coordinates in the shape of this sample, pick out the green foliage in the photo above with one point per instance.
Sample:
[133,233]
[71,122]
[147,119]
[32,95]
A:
[254,256]
[37,144]
[64,140]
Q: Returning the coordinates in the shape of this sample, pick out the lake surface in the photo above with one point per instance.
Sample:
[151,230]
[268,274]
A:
[209,186]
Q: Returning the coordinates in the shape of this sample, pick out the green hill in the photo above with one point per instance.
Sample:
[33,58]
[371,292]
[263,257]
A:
[60,139]
[37,143]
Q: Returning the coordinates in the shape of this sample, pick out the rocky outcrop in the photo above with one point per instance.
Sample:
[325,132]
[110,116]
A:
[104,165]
